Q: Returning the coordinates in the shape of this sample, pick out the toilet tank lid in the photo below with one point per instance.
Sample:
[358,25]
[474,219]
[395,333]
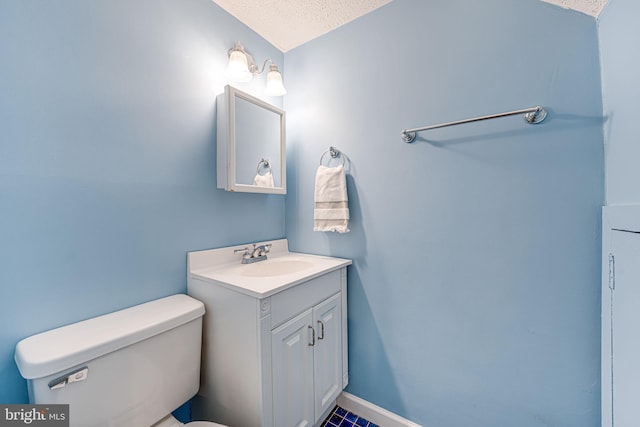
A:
[54,351]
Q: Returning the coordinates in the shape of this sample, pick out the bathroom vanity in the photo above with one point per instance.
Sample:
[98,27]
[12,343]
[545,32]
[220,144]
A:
[275,336]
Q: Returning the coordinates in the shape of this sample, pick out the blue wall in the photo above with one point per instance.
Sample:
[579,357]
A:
[107,158]
[620,57]
[474,294]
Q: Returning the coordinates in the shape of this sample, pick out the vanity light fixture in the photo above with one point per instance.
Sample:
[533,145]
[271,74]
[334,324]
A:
[242,67]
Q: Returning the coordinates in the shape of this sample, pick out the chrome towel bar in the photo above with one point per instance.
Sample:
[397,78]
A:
[533,115]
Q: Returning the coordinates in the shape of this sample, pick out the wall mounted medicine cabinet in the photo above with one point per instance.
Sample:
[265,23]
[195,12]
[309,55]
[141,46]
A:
[250,144]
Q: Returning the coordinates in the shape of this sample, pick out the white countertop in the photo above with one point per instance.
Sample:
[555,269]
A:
[281,270]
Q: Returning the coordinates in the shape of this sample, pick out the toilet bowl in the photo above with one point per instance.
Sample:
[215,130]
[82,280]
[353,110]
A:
[130,368]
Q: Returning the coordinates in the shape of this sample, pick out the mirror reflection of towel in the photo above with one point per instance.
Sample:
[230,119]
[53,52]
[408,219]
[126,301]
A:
[331,211]
[265,180]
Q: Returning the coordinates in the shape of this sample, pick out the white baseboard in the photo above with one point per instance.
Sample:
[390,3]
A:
[371,412]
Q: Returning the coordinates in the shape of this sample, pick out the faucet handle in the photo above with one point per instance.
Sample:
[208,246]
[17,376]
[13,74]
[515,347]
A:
[264,249]
[244,251]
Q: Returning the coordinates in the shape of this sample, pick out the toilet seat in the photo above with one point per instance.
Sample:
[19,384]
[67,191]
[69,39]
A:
[170,421]
[203,424]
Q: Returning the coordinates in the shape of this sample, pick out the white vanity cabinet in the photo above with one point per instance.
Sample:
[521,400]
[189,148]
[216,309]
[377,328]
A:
[274,345]
[307,364]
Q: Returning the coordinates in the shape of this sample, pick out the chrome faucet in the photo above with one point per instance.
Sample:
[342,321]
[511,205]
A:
[258,253]
[261,250]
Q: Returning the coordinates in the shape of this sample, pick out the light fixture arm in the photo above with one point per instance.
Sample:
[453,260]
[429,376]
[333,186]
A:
[254,67]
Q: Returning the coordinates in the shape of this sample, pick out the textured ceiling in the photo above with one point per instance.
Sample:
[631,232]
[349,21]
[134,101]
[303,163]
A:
[289,23]
[590,7]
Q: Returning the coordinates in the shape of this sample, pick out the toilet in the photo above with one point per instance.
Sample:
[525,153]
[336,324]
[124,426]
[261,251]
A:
[130,368]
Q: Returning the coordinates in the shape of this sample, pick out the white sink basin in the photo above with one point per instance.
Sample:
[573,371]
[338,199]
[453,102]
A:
[274,267]
[281,270]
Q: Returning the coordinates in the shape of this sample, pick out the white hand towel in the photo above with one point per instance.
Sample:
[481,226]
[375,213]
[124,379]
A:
[265,180]
[331,211]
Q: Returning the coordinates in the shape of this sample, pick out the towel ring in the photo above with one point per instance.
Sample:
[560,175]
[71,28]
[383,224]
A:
[335,153]
[263,163]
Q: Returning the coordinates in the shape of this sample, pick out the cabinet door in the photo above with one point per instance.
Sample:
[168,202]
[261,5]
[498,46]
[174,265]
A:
[292,365]
[327,321]
[625,325]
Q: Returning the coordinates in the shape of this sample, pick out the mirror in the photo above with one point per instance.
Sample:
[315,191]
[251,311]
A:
[251,147]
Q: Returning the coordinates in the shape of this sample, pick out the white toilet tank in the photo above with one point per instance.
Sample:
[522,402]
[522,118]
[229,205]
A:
[129,368]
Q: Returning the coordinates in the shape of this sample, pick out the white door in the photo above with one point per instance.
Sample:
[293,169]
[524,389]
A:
[292,364]
[625,325]
[327,320]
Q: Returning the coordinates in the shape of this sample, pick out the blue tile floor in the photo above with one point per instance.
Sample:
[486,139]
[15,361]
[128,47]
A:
[342,418]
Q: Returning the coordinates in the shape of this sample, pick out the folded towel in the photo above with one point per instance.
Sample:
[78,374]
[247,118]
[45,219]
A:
[331,211]
[265,180]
